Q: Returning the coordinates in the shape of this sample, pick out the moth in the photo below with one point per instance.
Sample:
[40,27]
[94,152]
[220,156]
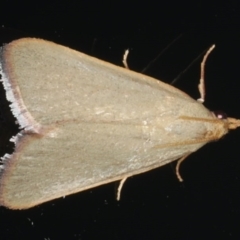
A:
[85,122]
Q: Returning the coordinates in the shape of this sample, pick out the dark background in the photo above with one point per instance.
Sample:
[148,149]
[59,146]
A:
[154,205]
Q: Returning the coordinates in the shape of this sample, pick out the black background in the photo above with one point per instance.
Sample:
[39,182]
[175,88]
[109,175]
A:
[154,205]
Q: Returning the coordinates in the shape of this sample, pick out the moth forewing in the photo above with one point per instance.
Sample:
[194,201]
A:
[86,122]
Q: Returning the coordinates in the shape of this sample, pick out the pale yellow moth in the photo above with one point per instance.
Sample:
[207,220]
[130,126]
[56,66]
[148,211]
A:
[85,122]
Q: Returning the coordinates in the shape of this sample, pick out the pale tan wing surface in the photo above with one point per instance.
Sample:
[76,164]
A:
[87,122]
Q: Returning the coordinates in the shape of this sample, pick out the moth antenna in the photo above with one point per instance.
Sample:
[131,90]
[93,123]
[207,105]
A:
[161,53]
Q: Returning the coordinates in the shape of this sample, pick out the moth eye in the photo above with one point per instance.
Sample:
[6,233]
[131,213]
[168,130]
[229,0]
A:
[220,114]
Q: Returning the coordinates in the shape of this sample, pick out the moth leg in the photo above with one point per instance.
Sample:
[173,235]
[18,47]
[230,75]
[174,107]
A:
[125,55]
[201,85]
[178,166]
[120,188]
